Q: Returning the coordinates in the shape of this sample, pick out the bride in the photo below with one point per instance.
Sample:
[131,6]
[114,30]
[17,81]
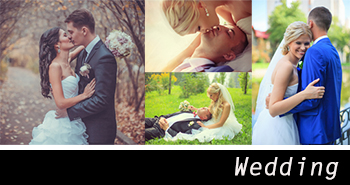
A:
[58,78]
[223,123]
[192,16]
[281,80]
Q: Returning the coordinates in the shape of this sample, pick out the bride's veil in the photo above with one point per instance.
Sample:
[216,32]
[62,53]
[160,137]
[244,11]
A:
[227,96]
[231,122]
[265,84]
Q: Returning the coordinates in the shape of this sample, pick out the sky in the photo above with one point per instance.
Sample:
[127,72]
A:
[259,9]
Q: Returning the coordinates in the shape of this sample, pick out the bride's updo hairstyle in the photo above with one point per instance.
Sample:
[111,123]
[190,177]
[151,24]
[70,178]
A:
[181,14]
[217,106]
[46,54]
[293,32]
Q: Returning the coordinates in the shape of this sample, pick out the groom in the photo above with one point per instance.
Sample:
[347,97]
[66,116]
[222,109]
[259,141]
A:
[174,123]
[97,112]
[318,119]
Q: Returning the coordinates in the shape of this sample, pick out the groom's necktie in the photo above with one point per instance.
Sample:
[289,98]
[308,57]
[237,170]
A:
[84,56]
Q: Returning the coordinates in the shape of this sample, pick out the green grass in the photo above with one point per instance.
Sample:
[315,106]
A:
[157,105]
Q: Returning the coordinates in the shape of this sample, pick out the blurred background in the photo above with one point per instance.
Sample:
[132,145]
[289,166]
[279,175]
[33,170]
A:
[270,20]
[22,23]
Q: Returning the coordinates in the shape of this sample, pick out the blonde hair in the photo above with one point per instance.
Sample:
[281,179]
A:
[217,106]
[293,32]
[181,14]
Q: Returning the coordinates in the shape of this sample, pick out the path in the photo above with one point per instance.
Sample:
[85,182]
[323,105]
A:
[22,107]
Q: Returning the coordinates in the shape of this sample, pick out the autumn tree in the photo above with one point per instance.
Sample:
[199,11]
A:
[11,12]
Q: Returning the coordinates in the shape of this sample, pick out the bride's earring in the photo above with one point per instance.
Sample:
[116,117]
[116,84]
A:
[59,50]
[206,11]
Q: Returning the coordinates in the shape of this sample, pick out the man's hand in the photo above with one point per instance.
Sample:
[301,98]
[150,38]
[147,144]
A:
[267,101]
[61,113]
[163,123]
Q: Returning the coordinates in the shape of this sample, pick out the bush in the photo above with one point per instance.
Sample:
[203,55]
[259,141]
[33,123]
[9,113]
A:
[193,83]
[158,82]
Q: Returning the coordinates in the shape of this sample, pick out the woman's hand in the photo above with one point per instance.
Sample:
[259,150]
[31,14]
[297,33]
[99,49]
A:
[201,124]
[192,108]
[312,92]
[89,89]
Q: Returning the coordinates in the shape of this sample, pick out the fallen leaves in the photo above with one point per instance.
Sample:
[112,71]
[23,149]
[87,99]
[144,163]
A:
[22,106]
[131,123]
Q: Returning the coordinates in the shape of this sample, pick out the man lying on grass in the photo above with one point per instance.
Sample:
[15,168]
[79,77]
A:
[172,124]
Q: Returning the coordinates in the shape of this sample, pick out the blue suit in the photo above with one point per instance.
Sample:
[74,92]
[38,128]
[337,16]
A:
[318,119]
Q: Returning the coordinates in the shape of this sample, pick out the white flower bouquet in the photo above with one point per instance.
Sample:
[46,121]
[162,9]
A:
[119,43]
[184,106]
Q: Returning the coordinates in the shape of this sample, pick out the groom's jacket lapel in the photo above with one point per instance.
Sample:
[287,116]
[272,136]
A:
[93,51]
[184,126]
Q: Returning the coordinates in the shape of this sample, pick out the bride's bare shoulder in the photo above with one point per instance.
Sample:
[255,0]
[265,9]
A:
[226,104]
[55,67]
[284,67]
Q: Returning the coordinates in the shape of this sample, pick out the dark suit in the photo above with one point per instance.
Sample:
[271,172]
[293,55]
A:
[98,112]
[153,129]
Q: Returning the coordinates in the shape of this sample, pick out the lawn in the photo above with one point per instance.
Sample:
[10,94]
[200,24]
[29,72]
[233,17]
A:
[157,105]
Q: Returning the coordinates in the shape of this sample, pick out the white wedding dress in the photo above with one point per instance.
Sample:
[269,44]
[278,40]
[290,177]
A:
[277,130]
[229,130]
[61,131]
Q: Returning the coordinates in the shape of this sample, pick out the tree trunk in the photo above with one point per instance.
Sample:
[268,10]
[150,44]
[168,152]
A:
[170,83]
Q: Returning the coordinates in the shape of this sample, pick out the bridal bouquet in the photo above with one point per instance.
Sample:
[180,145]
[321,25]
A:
[119,43]
[184,106]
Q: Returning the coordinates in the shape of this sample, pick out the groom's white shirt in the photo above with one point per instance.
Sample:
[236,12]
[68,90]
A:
[193,65]
[320,38]
[178,118]
[91,45]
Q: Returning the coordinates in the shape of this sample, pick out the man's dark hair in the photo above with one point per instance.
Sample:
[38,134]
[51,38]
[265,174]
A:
[80,18]
[322,17]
